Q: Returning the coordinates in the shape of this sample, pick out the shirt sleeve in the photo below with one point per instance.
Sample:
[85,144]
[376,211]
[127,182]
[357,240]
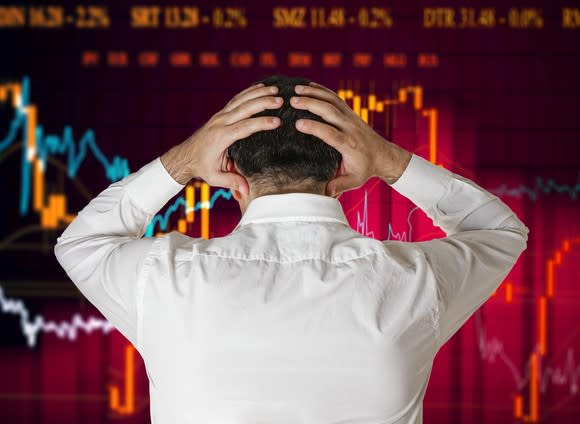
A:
[484,239]
[102,249]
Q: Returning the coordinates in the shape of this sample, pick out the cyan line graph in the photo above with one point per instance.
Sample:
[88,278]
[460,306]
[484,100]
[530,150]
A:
[118,167]
[162,219]
[51,144]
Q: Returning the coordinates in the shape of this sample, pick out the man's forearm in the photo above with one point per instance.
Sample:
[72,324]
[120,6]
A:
[454,203]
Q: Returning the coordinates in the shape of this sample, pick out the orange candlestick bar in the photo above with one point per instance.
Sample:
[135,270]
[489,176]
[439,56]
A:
[114,398]
[518,406]
[402,95]
[566,245]
[372,102]
[356,101]
[431,114]
[58,202]
[205,210]
[433,136]
[534,388]
[550,278]
[47,220]
[542,324]
[114,392]
[508,292]
[190,202]
[38,178]
[16,92]
[418,99]
[551,264]
[15,89]
[130,379]
[364,114]
[31,131]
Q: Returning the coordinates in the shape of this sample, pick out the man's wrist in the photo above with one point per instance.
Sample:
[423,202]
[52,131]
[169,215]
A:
[394,161]
[179,164]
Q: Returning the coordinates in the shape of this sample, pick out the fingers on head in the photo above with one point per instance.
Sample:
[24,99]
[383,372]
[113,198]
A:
[322,87]
[327,111]
[246,127]
[252,106]
[322,94]
[248,89]
[249,94]
[327,133]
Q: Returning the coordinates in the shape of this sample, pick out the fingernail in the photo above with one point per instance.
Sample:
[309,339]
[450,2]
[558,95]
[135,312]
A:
[273,89]
[295,100]
[275,120]
[299,88]
[278,99]
[300,123]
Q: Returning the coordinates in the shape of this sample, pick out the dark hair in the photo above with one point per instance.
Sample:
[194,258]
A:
[284,156]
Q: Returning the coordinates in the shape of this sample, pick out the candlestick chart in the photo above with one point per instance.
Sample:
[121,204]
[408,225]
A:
[90,93]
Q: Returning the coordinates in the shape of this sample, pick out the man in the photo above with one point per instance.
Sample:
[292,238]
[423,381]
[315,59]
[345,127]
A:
[294,317]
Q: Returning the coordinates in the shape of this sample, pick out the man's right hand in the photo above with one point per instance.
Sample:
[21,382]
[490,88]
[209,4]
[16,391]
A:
[365,153]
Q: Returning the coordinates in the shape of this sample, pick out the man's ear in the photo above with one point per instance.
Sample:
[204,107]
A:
[231,167]
[337,172]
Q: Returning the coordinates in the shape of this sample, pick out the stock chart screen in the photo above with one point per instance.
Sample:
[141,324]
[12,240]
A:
[90,91]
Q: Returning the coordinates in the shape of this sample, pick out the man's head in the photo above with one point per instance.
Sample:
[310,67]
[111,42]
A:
[284,160]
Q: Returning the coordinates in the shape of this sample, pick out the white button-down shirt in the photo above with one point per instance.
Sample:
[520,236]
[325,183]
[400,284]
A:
[294,317]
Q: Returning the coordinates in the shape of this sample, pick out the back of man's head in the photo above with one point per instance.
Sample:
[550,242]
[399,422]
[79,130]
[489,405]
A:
[285,159]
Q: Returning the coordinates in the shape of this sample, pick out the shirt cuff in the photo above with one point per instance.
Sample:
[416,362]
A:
[423,182]
[151,187]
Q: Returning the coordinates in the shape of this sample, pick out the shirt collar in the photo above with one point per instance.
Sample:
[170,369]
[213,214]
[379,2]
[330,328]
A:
[293,207]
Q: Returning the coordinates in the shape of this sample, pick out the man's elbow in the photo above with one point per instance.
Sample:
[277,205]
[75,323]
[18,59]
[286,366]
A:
[62,252]
[59,250]
[522,232]
[519,230]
